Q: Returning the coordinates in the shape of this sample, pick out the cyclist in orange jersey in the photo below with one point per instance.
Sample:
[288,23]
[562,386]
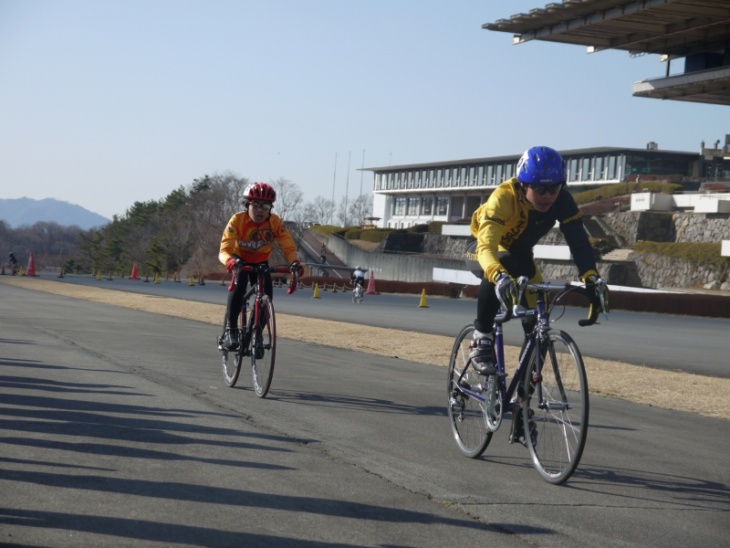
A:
[249,239]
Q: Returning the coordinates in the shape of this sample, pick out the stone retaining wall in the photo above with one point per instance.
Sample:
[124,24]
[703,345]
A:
[656,226]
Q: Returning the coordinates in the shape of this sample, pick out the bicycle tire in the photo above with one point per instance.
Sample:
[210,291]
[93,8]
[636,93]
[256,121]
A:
[555,410]
[466,414]
[263,349]
[230,360]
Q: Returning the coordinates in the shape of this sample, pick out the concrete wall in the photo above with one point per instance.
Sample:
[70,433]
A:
[391,266]
[654,271]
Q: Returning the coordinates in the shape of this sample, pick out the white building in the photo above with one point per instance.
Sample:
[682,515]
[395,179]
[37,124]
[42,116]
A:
[407,195]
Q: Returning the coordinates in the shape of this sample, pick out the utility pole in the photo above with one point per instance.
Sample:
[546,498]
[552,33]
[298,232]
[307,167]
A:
[334,178]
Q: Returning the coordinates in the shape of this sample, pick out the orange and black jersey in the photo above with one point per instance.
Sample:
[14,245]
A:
[254,242]
[507,221]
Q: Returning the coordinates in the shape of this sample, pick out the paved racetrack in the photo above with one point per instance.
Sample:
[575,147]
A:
[117,429]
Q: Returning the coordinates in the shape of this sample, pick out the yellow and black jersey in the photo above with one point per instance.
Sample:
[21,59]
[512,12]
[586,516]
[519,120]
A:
[507,221]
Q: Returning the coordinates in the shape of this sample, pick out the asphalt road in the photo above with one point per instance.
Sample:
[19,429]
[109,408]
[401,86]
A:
[680,343]
[116,429]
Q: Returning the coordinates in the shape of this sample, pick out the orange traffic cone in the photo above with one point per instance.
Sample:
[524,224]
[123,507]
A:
[371,285]
[31,266]
[135,272]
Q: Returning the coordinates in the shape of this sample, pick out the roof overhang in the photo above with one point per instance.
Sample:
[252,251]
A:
[671,28]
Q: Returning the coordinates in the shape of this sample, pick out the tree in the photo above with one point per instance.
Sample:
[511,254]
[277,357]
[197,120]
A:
[319,210]
[288,198]
[360,208]
[213,201]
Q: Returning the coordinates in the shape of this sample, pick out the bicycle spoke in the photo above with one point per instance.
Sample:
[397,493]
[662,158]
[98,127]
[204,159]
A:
[466,413]
[230,362]
[558,411]
[263,349]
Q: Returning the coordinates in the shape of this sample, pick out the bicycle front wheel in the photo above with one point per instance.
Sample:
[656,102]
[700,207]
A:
[263,348]
[230,360]
[555,410]
[466,413]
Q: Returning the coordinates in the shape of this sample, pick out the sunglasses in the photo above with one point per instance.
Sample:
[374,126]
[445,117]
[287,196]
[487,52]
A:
[542,190]
[261,205]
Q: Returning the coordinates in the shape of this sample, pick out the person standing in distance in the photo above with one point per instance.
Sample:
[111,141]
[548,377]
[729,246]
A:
[507,226]
[248,238]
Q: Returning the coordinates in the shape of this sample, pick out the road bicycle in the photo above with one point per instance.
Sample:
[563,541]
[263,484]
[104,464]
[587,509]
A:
[547,395]
[256,329]
[357,293]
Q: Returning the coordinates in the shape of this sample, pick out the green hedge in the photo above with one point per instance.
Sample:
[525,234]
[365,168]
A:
[376,235]
[353,233]
[692,252]
[622,189]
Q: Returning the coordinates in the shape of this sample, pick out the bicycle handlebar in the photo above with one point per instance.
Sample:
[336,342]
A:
[261,268]
[598,305]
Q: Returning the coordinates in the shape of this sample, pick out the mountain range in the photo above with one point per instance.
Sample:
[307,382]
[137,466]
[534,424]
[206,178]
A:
[19,212]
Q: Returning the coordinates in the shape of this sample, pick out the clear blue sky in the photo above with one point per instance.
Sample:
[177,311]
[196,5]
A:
[105,103]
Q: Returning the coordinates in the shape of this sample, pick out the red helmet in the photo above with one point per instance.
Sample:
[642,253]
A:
[261,192]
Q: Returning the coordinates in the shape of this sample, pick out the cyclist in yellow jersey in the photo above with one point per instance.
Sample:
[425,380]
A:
[249,239]
[507,226]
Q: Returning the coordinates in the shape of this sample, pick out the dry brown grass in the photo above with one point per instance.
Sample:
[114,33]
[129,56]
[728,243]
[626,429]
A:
[666,389]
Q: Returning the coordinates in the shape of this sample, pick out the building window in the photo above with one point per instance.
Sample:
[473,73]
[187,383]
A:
[508,171]
[426,205]
[611,167]
[442,205]
[598,170]
[447,177]
[573,169]
[399,205]
[439,178]
[413,206]
[585,170]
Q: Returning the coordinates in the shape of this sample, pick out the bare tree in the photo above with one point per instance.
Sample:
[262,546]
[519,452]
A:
[319,211]
[360,208]
[288,198]
[343,215]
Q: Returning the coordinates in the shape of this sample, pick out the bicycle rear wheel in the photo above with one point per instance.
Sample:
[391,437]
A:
[555,410]
[466,414]
[263,348]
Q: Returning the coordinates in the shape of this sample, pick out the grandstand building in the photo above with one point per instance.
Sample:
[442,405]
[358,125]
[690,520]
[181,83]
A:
[407,195]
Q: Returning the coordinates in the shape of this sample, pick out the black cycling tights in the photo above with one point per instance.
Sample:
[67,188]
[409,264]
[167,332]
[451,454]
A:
[487,302]
[235,297]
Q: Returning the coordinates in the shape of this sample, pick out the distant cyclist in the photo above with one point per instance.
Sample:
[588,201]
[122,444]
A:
[507,226]
[13,262]
[249,239]
[358,277]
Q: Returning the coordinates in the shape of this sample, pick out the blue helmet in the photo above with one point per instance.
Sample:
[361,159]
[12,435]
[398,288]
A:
[541,166]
